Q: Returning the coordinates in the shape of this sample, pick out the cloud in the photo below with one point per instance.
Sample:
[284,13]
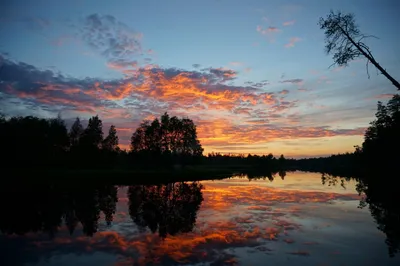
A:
[110,37]
[288,23]
[150,90]
[196,65]
[293,81]
[225,114]
[267,30]
[292,41]
[224,132]
[270,32]
[223,74]
[122,64]
[382,96]
[236,64]
[248,69]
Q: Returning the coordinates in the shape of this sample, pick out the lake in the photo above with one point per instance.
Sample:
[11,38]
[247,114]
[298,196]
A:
[293,219]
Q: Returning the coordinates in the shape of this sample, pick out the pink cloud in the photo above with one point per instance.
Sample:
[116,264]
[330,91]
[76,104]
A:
[269,32]
[288,23]
[292,41]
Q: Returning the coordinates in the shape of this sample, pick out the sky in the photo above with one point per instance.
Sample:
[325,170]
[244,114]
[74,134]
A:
[252,75]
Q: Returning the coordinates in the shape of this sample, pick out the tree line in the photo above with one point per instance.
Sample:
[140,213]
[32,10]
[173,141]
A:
[379,152]
[32,142]
[166,142]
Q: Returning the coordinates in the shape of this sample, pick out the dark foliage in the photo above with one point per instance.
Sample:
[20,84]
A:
[168,143]
[49,206]
[166,209]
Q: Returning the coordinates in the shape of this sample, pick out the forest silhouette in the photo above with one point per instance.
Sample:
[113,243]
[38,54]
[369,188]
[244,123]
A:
[167,144]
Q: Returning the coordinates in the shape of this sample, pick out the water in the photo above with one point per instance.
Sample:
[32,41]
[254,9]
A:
[292,221]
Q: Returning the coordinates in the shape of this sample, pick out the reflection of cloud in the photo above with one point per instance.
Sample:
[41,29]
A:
[232,216]
[259,197]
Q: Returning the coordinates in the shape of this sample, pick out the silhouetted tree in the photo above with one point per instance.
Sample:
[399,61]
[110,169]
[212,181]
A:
[92,136]
[110,143]
[344,39]
[381,140]
[172,137]
[75,133]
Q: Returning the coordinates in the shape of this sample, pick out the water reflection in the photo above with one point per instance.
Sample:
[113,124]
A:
[46,207]
[168,209]
[288,219]
[383,201]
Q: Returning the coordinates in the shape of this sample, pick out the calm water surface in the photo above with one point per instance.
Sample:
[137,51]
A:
[295,220]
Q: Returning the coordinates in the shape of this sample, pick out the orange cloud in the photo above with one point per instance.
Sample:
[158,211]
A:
[225,132]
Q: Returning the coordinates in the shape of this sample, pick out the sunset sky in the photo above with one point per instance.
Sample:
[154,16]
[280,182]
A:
[253,75]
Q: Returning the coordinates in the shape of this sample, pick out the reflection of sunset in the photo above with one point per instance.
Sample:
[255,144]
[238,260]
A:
[259,216]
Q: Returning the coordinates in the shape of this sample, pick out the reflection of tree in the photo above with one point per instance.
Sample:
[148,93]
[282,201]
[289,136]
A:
[256,174]
[382,200]
[282,174]
[168,209]
[44,208]
[332,180]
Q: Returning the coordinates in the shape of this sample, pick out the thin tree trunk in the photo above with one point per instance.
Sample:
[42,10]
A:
[372,60]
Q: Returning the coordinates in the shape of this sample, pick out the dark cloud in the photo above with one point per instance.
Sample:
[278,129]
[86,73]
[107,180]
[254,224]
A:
[196,65]
[293,81]
[221,74]
[44,88]
[112,38]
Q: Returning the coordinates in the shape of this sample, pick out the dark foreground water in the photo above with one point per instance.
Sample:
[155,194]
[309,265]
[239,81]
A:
[294,220]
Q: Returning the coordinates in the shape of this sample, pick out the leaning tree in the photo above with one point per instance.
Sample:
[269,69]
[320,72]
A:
[345,41]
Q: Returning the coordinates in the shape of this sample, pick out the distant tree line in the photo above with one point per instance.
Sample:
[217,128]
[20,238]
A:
[31,142]
[169,142]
